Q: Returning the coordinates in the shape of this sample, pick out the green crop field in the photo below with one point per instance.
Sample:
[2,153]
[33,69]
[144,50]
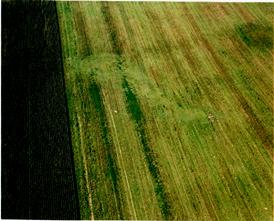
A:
[170,108]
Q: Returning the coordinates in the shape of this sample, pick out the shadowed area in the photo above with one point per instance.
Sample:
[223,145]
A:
[38,180]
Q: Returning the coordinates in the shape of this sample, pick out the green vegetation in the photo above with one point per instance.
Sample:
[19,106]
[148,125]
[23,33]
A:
[101,116]
[256,35]
[137,115]
[170,109]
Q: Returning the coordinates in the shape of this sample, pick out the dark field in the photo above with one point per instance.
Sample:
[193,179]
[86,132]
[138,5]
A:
[38,179]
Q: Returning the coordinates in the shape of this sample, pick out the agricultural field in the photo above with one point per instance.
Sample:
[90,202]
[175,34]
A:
[37,171]
[170,108]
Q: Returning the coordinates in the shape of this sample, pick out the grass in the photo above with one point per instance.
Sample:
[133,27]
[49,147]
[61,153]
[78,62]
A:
[256,35]
[170,109]
[135,110]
